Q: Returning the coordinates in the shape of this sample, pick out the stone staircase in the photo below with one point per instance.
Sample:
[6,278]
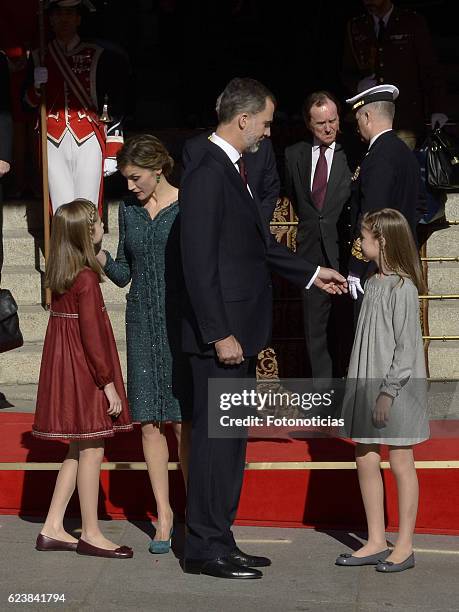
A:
[22,274]
[443,279]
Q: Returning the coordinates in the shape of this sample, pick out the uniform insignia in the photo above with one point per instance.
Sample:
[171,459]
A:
[356,250]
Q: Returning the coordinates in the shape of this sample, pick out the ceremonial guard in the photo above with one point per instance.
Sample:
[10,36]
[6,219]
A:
[388,44]
[82,80]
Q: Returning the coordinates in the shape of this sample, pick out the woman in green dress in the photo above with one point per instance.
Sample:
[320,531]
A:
[158,380]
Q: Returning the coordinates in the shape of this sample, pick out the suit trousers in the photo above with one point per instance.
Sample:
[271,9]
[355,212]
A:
[216,468]
[318,327]
[317,308]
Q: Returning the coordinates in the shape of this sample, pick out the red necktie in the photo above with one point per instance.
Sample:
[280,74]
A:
[242,170]
[319,184]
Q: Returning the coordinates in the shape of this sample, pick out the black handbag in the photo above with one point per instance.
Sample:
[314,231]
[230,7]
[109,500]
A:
[442,162]
[10,334]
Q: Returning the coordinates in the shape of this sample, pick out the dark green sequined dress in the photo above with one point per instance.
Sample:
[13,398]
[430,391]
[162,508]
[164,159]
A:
[158,379]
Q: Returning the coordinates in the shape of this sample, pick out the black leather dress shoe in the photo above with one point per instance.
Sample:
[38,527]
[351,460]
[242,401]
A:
[220,568]
[240,558]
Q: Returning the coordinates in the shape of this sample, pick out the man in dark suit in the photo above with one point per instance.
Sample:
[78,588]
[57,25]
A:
[389,175]
[318,182]
[228,254]
[260,166]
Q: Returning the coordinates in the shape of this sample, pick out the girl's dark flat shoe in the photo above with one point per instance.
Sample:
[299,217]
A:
[122,552]
[46,543]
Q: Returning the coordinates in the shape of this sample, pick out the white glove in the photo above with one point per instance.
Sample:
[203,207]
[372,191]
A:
[110,166]
[439,118]
[40,76]
[354,286]
[366,83]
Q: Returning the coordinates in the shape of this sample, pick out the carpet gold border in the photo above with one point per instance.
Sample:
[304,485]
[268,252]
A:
[266,466]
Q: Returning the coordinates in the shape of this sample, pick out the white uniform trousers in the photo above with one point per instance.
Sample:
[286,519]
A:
[74,170]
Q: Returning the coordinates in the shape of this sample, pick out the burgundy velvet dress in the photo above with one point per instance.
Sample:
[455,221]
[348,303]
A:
[79,359]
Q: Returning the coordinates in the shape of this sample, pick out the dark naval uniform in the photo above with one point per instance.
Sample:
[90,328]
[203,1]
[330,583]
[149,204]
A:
[404,57]
[388,177]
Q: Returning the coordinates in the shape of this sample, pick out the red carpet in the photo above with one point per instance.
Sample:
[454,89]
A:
[324,499]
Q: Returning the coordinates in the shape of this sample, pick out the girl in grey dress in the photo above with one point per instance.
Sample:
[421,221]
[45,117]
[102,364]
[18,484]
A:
[158,380]
[386,395]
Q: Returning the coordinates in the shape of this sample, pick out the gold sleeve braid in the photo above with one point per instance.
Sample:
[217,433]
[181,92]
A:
[356,250]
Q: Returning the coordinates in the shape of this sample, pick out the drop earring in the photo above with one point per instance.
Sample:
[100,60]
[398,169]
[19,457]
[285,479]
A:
[158,178]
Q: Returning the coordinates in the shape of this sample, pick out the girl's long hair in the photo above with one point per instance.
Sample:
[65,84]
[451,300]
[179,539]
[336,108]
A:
[71,246]
[398,249]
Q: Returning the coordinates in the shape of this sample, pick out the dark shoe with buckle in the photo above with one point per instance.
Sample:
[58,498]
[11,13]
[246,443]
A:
[389,566]
[220,568]
[46,543]
[240,558]
[123,552]
[348,559]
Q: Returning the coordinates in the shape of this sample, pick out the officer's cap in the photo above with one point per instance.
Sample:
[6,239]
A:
[379,93]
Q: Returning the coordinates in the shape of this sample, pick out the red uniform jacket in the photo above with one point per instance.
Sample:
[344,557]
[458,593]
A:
[72,100]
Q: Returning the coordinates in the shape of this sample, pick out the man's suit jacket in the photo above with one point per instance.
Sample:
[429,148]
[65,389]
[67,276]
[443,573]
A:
[262,174]
[389,177]
[317,229]
[228,254]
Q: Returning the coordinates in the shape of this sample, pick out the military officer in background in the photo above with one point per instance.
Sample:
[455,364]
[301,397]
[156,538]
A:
[388,44]
[82,79]
[389,175]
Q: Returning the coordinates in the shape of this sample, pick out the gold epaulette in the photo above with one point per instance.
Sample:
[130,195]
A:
[356,250]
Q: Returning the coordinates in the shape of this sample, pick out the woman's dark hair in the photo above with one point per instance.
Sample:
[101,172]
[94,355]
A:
[145,151]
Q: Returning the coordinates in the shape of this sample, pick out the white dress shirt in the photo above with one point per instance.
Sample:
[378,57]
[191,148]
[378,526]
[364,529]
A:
[231,151]
[373,140]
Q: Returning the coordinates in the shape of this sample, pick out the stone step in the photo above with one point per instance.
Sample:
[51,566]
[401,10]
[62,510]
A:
[22,397]
[22,366]
[28,214]
[34,320]
[444,359]
[22,214]
[444,317]
[443,277]
[452,207]
[23,249]
[444,243]
[25,284]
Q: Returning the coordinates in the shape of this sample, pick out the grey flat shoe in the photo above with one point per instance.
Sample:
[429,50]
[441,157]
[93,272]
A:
[348,559]
[389,566]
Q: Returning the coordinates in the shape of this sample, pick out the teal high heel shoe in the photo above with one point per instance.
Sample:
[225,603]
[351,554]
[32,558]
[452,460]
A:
[160,547]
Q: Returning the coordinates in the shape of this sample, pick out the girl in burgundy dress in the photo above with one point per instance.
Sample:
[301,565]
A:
[81,395]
